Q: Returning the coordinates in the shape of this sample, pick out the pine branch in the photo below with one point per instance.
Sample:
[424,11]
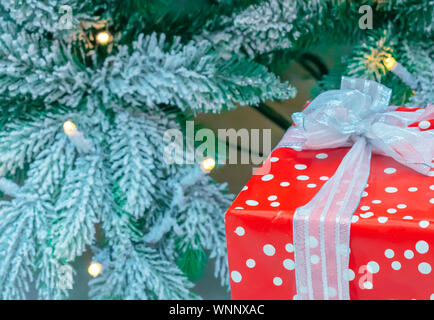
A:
[135,142]
[415,18]
[83,198]
[272,25]
[51,283]
[199,206]
[21,141]
[132,270]
[23,225]
[36,16]
[419,60]
[138,272]
[191,77]
[256,30]
[47,171]
[31,65]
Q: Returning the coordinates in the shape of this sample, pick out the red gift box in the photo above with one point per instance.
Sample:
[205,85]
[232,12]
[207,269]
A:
[392,230]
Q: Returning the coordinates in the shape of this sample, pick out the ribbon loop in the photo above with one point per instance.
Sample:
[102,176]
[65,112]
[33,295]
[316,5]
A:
[357,115]
[336,117]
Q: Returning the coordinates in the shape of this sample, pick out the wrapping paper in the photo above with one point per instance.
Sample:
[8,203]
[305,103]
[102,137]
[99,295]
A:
[392,230]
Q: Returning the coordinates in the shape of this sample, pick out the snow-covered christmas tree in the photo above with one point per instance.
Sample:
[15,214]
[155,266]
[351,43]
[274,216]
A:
[88,89]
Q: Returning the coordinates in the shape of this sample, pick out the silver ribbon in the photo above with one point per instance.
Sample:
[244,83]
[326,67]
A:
[357,115]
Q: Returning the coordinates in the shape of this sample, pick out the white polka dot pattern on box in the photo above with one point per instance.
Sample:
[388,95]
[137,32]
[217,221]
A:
[389,202]
[311,185]
[409,254]
[236,276]
[423,224]
[250,263]
[289,247]
[267,177]
[373,267]
[389,253]
[391,190]
[240,231]
[321,156]
[300,166]
[302,178]
[252,203]
[269,250]
[422,247]
[277,281]
[424,268]
[289,264]
[396,265]
[382,219]
[367,214]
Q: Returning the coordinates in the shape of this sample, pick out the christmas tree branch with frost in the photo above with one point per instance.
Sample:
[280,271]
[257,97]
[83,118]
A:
[81,149]
[87,91]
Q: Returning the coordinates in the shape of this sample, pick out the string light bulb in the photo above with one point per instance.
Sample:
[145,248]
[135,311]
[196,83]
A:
[207,164]
[103,37]
[94,269]
[76,137]
[70,128]
[400,71]
[389,62]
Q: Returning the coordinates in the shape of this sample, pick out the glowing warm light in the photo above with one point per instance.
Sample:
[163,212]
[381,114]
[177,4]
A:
[103,37]
[94,269]
[389,62]
[70,128]
[208,164]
